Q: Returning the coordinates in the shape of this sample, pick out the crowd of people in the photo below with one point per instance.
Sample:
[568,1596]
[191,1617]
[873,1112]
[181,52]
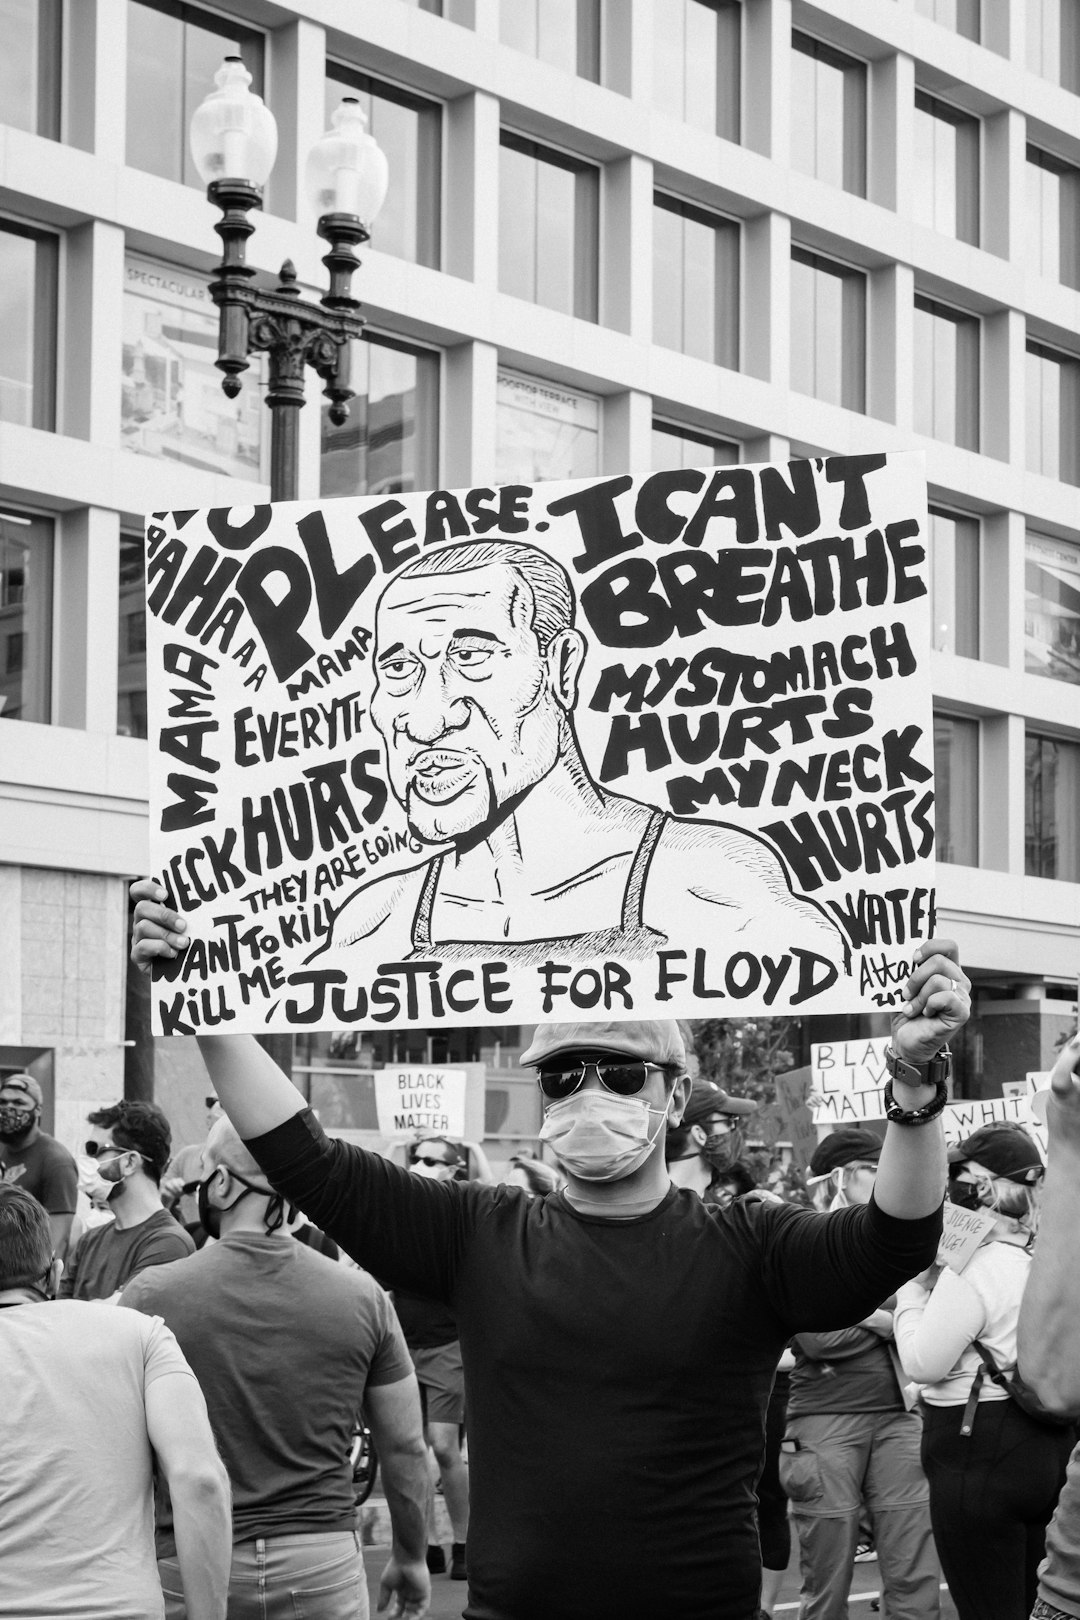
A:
[670,1374]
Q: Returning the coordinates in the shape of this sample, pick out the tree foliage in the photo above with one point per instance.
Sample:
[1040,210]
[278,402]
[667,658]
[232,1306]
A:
[745,1054]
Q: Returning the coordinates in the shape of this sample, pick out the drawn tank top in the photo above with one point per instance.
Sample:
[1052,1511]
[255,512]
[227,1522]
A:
[630,939]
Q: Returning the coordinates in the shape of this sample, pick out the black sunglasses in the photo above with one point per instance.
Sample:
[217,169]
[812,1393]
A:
[625,1077]
[98,1150]
[424,1158]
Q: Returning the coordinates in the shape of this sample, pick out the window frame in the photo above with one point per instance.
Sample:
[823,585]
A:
[588,28]
[427,475]
[1041,843]
[967,222]
[971,28]
[429,181]
[853,367]
[934,510]
[974,830]
[586,289]
[1068,452]
[964,320]
[857,106]
[729,330]
[695,435]
[46,354]
[1067,272]
[44,610]
[733,125]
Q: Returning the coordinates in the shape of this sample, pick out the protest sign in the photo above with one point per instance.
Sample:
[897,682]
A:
[964,1231]
[848,1077]
[411,1100]
[608,748]
[792,1091]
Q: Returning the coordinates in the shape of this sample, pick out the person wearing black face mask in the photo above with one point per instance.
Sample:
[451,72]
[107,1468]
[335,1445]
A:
[287,1346]
[709,1140]
[35,1161]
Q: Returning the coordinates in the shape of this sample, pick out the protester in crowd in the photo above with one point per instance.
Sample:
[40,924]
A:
[535,1177]
[182,1174]
[94,1401]
[708,1140]
[852,1439]
[431,1333]
[287,1347]
[995,1472]
[619,1338]
[129,1145]
[35,1161]
[1050,1327]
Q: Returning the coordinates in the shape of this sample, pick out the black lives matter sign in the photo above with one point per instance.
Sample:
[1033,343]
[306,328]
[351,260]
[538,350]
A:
[620,747]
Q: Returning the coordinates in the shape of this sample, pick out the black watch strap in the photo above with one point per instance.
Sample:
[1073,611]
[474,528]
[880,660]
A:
[934,1073]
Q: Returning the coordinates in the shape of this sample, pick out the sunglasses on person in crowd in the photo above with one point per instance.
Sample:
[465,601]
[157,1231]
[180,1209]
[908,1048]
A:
[425,1158]
[620,1075]
[98,1150]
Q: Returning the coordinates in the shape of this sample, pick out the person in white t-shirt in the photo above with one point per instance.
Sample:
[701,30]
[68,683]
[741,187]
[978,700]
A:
[995,1473]
[93,1399]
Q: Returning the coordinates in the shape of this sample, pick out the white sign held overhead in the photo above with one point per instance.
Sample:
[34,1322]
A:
[412,1100]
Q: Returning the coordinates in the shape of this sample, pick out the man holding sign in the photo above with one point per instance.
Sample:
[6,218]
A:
[619,1338]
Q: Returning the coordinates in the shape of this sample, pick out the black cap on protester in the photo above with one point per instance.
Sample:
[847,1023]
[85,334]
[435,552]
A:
[1010,1153]
[707,1098]
[845,1147]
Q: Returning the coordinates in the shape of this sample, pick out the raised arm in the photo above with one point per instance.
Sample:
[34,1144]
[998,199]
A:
[912,1169]
[1050,1313]
[393,1415]
[254,1092]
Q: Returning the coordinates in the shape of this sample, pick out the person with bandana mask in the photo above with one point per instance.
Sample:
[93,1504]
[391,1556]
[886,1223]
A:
[125,1154]
[709,1139]
[851,1445]
[619,1338]
[33,1160]
[995,1472]
[288,1346]
[96,1402]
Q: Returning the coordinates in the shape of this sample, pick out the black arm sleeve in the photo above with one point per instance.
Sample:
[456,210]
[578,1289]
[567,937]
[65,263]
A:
[829,1271]
[411,1233]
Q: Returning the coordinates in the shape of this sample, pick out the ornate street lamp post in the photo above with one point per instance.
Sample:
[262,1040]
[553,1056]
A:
[234,143]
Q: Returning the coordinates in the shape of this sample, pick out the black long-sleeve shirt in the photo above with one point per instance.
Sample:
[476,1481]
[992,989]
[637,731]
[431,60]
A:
[616,1372]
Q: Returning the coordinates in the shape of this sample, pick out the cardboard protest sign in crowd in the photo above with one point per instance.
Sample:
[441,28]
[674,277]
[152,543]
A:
[611,748]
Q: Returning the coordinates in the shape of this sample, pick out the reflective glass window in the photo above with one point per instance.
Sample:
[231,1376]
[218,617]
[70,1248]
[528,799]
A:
[1053,413]
[954,583]
[1052,238]
[30,65]
[956,787]
[946,374]
[946,180]
[28,269]
[828,114]
[409,130]
[131,643]
[390,441]
[565,33]
[962,16]
[1052,608]
[174,50]
[26,575]
[1053,40]
[544,431]
[1052,809]
[828,330]
[676,447]
[548,227]
[695,282]
[696,63]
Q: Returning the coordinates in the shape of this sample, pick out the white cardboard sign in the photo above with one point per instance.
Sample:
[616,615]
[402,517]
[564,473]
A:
[964,1231]
[410,1100]
[618,747]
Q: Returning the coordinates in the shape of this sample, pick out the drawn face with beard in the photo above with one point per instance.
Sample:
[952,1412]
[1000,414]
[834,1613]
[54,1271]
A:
[470,709]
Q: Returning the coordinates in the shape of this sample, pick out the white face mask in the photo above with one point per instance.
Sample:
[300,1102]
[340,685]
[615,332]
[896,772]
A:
[93,1184]
[598,1136]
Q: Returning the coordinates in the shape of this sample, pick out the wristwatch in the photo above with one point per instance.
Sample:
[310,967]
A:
[936,1073]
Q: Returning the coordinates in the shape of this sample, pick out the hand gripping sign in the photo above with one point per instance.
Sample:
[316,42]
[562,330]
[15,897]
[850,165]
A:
[618,747]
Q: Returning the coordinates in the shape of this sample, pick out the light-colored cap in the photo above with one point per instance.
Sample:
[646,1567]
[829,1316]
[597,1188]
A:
[657,1040]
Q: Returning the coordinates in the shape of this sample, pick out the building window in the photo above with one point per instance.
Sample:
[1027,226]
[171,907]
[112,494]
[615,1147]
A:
[390,441]
[1053,218]
[956,788]
[695,282]
[565,33]
[131,650]
[946,374]
[828,330]
[697,49]
[30,66]
[954,583]
[434,6]
[1052,608]
[171,399]
[549,208]
[174,50]
[26,557]
[28,269]
[409,130]
[1053,413]
[828,114]
[946,177]
[676,447]
[962,16]
[543,431]
[1052,809]
[1053,40]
